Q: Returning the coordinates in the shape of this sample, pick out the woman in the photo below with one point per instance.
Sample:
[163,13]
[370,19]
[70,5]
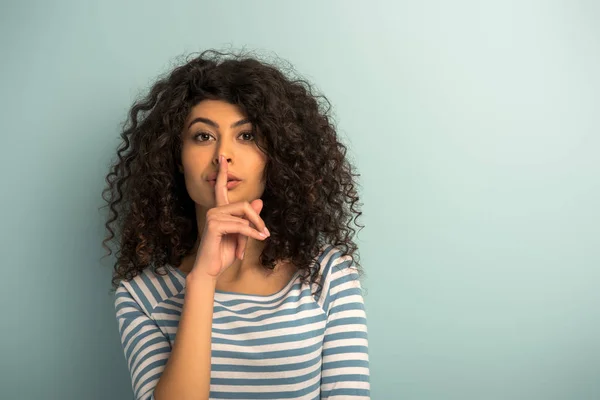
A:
[235,275]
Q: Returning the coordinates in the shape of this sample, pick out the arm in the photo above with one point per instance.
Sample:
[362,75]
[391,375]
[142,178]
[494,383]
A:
[187,374]
[345,369]
[157,372]
[145,347]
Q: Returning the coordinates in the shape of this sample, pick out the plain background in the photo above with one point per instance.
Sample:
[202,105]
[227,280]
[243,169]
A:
[474,125]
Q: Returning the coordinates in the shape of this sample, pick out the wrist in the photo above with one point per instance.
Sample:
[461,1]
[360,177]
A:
[199,278]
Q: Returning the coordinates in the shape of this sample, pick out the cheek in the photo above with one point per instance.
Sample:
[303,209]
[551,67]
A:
[260,175]
[195,159]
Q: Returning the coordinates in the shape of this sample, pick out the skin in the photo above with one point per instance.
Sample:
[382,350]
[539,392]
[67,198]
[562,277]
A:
[233,139]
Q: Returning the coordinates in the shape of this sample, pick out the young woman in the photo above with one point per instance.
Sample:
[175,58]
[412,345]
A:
[236,275]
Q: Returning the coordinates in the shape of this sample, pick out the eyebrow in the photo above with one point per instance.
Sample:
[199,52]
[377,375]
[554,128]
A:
[214,124]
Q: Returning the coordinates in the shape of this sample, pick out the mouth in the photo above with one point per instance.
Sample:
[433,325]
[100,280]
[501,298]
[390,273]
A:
[230,177]
[228,180]
[231,184]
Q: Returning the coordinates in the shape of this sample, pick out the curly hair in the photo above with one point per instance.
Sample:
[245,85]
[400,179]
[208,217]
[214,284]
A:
[309,198]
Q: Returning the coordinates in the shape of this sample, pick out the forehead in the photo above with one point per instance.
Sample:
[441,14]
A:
[216,109]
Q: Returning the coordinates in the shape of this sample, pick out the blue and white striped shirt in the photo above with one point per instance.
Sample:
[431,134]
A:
[289,345]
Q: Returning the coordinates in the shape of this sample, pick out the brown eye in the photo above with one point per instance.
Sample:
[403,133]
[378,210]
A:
[201,134]
[248,133]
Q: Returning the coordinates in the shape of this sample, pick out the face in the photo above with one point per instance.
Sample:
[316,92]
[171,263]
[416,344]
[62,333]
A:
[213,128]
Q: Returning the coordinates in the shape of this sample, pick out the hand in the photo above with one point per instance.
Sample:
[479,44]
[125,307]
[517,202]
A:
[225,233]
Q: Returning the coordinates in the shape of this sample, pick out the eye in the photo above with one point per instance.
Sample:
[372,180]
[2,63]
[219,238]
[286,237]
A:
[196,136]
[204,135]
[248,133]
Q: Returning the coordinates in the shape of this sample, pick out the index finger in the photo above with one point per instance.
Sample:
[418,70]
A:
[221,196]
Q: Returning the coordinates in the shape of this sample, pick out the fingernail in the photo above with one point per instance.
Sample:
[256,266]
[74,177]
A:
[243,254]
[267,232]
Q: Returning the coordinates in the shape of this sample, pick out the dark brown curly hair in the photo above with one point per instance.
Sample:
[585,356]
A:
[309,199]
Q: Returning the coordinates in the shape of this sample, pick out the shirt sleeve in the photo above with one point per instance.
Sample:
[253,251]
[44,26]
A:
[145,347]
[345,368]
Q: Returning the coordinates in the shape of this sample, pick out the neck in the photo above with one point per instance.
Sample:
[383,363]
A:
[250,263]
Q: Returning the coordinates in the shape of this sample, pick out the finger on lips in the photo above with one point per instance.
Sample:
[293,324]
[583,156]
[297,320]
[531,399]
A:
[221,195]
[221,183]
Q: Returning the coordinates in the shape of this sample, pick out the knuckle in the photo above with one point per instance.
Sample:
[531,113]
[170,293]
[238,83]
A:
[212,223]
[210,216]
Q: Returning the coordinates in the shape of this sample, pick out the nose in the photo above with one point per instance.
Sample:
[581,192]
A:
[216,160]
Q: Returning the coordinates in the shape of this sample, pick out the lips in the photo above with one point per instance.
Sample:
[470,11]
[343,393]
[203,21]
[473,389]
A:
[228,180]
[230,177]
[230,184]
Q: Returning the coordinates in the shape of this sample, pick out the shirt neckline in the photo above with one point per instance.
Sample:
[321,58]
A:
[226,295]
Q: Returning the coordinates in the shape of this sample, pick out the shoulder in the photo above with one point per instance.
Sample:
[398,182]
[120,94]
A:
[334,263]
[148,288]
[337,272]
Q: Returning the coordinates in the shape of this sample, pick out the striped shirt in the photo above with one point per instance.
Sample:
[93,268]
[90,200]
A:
[290,345]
